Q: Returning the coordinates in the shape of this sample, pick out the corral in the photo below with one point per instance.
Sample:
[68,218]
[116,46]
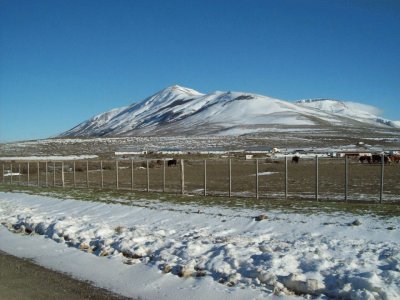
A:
[272,178]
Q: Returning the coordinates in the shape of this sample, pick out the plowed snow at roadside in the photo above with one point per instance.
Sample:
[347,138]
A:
[169,250]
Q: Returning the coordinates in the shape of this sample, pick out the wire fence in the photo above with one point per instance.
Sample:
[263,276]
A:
[340,179]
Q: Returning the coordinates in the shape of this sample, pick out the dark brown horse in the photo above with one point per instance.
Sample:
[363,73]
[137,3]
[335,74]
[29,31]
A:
[377,158]
[172,162]
[295,159]
[365,158]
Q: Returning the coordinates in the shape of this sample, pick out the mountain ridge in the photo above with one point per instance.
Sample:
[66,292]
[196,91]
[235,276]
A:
[181,110]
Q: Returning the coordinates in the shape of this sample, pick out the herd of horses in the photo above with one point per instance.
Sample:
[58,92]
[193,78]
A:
[371,159]
[170,162]
[376,158]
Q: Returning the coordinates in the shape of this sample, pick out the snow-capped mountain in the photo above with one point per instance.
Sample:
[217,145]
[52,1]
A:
[179,110]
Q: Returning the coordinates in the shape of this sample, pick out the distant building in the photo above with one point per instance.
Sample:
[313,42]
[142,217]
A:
[130,151]
[352,154]
[176,151]
[276,150]
[211,151]
[258,150]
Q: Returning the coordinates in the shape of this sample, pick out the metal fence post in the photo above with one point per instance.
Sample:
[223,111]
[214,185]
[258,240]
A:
[38,174]
[2,174]
[205,177]
[382,174]
[316,178]
[257,195]
[46,178]
[131,174]
[54,173]
[73,173]
[182,177]
[346,178]
[87,174]
[28,175]
[19,174]
[286,178]
[116,174]
[11,173]
[163,187]
[148,175]
[62,174]
[101,173]
[230,177]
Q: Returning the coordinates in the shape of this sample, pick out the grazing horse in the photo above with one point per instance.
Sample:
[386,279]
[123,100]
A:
[172,162]
[376,158]
[395,158]
[365,157]
[295,159]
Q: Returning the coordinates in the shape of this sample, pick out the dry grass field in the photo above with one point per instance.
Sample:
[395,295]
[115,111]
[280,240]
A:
[363,179]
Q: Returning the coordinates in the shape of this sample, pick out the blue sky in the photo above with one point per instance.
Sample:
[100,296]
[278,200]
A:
[62,62]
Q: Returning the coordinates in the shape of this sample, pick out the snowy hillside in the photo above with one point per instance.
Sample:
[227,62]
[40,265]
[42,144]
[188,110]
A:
[180,110]
[357,111]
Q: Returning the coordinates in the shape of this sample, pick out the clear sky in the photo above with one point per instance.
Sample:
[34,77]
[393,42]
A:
[62,62]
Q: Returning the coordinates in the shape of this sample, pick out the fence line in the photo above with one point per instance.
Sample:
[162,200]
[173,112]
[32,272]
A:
[121,165]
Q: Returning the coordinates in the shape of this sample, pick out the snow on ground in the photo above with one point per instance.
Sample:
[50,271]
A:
[7,174]
[48,158]
[154,249]
[264,173]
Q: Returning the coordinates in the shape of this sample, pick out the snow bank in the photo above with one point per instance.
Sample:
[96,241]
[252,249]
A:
[214,249]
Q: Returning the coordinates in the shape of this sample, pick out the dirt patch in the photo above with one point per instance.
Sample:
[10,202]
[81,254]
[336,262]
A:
[21,279]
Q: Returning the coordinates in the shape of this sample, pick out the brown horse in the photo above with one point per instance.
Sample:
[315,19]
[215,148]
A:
[395,158]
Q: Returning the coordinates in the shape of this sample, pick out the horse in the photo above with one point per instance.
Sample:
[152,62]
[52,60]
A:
[377,158]
[172,162]
[395,158]
[295,159]
[365,157]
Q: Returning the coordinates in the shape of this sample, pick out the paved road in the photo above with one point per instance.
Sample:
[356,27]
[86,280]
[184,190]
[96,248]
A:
[21,279]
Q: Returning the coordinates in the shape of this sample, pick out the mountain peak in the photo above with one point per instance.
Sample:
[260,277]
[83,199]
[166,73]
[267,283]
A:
[180,90]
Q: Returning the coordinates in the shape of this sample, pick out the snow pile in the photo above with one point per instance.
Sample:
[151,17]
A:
[337,255]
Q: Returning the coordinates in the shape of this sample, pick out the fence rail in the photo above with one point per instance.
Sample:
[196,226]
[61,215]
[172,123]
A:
[315,179]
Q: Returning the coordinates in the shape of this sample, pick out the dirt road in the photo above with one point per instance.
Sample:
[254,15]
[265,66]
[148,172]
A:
[21,279]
